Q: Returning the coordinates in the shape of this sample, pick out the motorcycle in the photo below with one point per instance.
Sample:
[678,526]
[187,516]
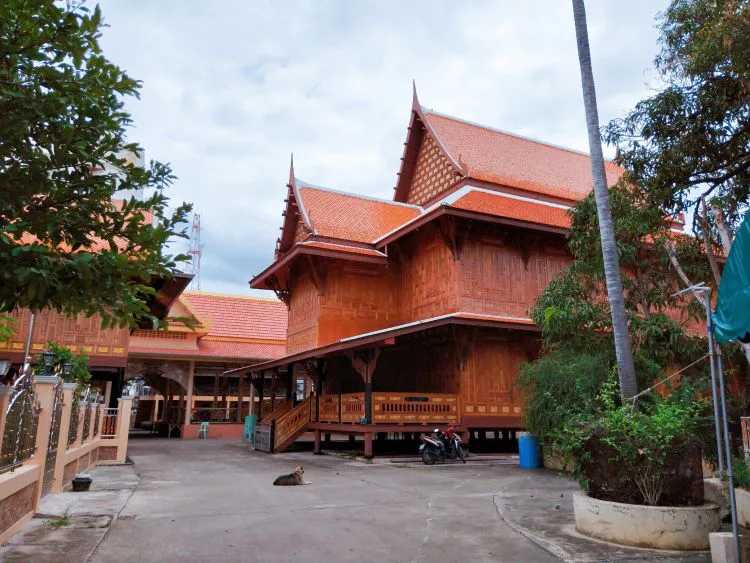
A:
[440,447]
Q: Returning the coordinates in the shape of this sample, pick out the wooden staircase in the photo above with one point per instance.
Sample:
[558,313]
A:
[279,429]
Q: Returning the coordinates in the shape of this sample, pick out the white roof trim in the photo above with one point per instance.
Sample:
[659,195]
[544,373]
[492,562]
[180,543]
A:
[453,197]
[479,317]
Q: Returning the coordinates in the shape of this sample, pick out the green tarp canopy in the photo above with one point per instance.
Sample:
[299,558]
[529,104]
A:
[732,317]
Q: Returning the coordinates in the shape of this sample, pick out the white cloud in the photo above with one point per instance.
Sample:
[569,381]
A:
[232,88]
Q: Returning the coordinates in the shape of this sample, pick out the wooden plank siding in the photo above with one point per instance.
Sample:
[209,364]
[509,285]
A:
[82,334]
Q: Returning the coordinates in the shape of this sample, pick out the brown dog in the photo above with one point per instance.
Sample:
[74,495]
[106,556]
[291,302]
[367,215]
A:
[292,478]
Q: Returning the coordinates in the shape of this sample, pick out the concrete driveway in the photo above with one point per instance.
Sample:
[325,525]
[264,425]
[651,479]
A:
[212,500]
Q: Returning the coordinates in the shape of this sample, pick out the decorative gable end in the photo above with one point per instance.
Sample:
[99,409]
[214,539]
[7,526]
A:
[295,227]
[433,173]
[427,169]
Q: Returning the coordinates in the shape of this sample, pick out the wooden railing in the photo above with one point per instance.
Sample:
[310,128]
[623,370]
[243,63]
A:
[275,413]
[414,407]
[352,407]
[329,408]
[389,407]
[289,424]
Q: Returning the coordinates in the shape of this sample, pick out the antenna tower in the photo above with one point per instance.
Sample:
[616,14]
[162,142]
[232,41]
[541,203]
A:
[195,250]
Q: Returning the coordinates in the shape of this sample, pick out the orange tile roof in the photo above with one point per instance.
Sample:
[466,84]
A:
[351,217]
[513,208]
[239,317]
[506,159]
[216,349]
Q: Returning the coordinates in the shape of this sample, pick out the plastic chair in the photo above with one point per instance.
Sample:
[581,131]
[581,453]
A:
[203,431]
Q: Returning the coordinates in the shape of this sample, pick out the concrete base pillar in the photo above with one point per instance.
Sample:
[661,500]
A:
[316,447]
[723,548]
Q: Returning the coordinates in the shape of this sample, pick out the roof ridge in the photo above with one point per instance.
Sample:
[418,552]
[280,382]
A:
[511,134]
[198,292]
[303,184]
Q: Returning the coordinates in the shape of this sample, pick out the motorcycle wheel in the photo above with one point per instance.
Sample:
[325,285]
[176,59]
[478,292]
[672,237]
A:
[460,453]
[427,457]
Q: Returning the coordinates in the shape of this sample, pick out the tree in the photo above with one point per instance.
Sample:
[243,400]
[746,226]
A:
[66,242]
[691,141]
[625,366]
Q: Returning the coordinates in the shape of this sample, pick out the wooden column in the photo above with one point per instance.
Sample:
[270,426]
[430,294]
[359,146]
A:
[251,397]
[165,406]
[368,444]
[274,379]
[216,392]
[189,399]
[291,391]
[240,396]
[364,363]
[261,385]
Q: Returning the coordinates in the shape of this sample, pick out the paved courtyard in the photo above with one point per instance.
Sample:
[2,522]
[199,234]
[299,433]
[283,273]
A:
[213,500]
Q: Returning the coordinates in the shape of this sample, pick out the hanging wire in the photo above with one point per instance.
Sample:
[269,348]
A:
[635,397]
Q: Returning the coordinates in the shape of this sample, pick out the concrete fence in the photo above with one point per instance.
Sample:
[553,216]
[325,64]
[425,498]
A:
[62,436]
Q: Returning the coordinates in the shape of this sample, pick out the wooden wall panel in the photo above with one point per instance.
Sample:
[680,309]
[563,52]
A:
[304,314]
[428,284]
[488,377]
[80,333]
[357,298]
[503,275]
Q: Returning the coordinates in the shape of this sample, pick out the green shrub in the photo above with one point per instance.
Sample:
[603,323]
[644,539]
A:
[560,387]
[629,453]
[79,363]
[741,473]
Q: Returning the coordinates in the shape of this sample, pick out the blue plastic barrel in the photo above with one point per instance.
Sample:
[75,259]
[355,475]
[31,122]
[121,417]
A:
[250,427]
[528,451]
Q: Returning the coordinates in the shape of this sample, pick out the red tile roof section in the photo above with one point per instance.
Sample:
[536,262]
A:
[352,217]
[509,160]
[511,208]
[239,317]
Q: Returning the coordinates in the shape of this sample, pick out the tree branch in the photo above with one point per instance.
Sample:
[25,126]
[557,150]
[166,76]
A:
[721,225]
[708,243]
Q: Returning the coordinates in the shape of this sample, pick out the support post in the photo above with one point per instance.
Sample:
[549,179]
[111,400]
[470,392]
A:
[368,445]
[291,394]
[44,389]
[62,441]
[368,400]
[316,448]
[124,406]
[189,398]
[107,393]
[251,397]
[364,364]
[274,380]
[240,396]
[260,395]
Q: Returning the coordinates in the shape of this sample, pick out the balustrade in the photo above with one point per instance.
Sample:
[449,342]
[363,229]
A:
[389,407]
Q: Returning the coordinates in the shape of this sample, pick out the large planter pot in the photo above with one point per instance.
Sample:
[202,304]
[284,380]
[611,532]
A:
[657,527]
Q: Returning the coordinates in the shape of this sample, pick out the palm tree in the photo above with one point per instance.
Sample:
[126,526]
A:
[625,367]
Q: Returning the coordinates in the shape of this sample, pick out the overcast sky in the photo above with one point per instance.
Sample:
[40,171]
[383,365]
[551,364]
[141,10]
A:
[231,88]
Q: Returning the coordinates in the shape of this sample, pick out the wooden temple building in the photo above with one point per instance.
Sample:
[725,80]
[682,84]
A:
[415,312]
